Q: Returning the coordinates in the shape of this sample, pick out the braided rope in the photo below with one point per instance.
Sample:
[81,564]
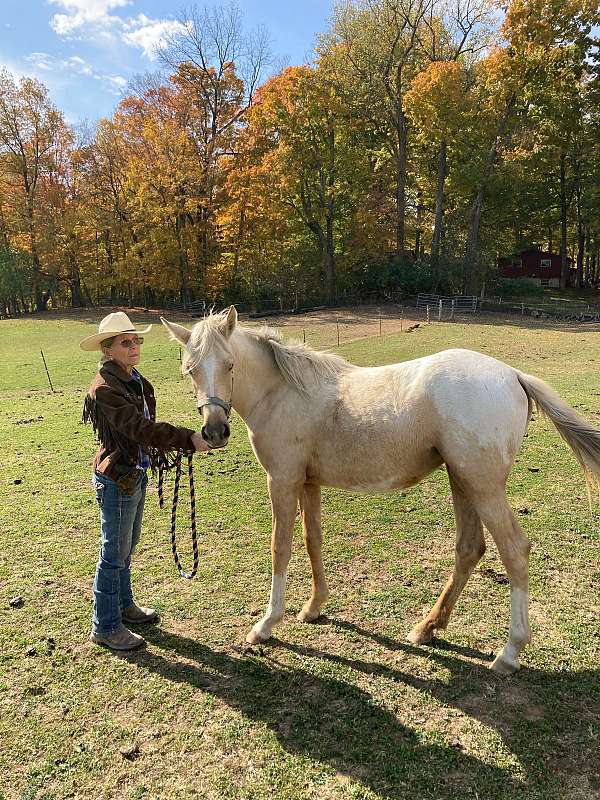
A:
[161,472]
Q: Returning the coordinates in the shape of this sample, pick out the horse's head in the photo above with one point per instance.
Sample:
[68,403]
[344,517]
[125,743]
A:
[208,360]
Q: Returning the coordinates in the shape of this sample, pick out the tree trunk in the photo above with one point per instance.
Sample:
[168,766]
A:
[77,299]
[329,260]
[580,242]
[329,264]
[238,244]
[564,264]
[401,160]
[438,224]
[184,275]
[472,245]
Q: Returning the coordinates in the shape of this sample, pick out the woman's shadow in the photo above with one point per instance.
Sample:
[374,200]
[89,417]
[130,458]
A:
[336,723]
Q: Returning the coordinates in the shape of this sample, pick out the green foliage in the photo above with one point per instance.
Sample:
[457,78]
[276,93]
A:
[514,287]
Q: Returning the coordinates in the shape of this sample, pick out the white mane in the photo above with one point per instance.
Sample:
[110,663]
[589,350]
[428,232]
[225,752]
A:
[301,366]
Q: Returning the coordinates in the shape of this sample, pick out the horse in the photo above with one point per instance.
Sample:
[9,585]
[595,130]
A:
[314,420]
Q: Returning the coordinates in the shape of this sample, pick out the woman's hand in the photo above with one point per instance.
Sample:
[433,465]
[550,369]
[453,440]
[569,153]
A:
[199,443]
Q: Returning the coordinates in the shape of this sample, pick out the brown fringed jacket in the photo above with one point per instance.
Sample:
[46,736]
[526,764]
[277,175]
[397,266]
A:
[115,407]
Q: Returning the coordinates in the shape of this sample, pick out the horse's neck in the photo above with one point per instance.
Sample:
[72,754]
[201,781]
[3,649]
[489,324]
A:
[255,376]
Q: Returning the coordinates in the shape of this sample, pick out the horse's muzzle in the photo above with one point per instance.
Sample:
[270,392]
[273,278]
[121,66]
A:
[215,434]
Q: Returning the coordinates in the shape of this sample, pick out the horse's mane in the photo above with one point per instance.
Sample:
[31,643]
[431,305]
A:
[300,365]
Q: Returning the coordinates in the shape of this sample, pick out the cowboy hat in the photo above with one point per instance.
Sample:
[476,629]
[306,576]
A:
[112,325]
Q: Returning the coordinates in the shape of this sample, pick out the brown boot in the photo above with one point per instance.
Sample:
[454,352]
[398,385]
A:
[139,615]
[121,639]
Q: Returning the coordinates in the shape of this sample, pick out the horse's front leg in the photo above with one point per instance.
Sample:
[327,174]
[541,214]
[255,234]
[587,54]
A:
[284,503]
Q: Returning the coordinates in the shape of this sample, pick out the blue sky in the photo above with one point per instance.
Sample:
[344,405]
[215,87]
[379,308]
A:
[85,51]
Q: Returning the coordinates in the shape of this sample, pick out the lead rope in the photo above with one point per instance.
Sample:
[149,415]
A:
[161,471]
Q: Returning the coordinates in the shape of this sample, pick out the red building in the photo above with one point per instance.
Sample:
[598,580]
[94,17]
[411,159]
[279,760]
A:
[533,265]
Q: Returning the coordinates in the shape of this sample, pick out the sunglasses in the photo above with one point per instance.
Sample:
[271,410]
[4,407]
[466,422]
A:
[129,343]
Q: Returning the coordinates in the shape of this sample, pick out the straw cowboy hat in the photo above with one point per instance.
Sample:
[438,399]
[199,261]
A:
[112,325]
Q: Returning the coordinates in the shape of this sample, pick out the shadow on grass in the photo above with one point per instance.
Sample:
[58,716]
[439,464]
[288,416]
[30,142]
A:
[335,722]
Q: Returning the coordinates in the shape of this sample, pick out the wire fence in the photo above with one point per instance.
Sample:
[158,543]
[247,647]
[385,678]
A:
[548,307]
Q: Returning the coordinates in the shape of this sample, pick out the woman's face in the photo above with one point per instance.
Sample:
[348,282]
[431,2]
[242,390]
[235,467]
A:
[125,350]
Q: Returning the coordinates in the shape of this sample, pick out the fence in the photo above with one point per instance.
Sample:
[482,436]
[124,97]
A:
[435,304]
[548,307]
[197,308]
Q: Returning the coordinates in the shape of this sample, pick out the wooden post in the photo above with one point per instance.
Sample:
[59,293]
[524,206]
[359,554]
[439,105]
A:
[522,308]
[304,335]
[47,373]
[440,311]
[452,311]
[337,325]
[401,319]
[428,315]
[380,322]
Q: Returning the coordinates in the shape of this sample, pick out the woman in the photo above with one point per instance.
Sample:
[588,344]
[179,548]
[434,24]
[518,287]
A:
[121,406]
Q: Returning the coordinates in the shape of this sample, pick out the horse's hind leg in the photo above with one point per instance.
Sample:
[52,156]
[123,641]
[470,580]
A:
[513,546]
[310,507]
[470,546]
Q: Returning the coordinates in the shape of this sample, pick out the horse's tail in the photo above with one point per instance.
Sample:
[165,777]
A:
[582,437]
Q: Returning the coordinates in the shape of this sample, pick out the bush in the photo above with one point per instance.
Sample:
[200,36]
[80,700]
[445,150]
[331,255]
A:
[514,287]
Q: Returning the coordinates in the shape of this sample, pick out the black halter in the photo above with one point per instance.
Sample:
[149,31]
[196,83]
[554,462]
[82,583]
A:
[215,401]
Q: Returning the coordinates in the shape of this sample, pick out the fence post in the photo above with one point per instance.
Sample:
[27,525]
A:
[522,308]
[380,322]
[428,315]
[47,373]
[452,311]
[401,319]
[304,335]
[440,311]
[337,325]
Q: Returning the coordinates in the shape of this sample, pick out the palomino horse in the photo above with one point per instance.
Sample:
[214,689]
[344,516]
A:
[316,420]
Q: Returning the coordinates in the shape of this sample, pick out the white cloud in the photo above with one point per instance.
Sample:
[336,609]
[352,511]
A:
[17,69]
[41,61]
[74,65]
[90,19]
[48,63]
[149,34]
[85,14]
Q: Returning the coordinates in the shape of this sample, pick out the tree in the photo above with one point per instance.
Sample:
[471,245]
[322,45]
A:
[31,132]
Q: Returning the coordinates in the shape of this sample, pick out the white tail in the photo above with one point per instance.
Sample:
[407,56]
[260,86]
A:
[582,437]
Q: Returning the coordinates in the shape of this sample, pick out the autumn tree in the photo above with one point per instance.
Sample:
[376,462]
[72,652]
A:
[31,134]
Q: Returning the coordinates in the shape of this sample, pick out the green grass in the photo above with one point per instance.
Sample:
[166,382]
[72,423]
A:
[344,709]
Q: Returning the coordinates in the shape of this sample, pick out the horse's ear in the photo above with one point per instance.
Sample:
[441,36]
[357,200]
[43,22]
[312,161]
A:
[230,322]
[177,332]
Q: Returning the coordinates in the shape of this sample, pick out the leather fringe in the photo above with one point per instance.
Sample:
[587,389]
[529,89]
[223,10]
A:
[112,440]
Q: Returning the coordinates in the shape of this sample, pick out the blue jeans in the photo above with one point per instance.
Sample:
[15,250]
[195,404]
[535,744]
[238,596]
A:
[120,527]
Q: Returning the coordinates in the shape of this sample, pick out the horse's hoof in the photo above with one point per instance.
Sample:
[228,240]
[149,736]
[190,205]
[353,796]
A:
[256,637]
[420,636]
[502,667]
[306,615]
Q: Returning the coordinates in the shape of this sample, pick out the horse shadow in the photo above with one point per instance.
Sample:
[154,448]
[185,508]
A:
[341,725]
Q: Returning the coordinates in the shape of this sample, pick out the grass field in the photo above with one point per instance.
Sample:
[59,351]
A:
[343,709]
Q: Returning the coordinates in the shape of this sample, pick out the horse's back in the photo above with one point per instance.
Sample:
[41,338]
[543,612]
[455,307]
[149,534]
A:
[458,406]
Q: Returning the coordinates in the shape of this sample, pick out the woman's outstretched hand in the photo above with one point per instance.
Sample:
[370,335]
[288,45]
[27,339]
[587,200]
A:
[199,443]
